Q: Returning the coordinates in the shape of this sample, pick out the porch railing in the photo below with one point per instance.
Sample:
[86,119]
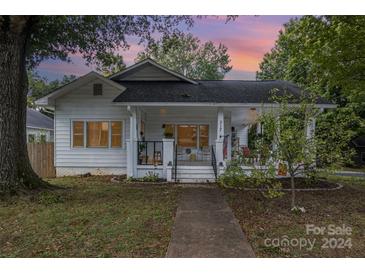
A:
[150,152]
[214,162]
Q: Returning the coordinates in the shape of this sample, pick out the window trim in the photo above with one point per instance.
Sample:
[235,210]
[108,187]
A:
[123,141]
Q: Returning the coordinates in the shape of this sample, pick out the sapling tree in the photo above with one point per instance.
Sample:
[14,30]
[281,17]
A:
[291,125]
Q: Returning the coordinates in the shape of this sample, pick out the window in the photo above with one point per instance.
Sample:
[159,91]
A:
[78,134]
[43,138]
[98,89]
[116,134]
[203,136]
[31,138]
[187,135]
[97,134]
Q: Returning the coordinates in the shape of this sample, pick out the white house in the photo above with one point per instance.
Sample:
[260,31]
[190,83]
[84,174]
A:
[149,118]
[39,127]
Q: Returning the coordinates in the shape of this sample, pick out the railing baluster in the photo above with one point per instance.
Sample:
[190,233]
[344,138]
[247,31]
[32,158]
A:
[142,147]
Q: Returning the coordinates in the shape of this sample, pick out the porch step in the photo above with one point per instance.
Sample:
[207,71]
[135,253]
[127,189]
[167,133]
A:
[194,174]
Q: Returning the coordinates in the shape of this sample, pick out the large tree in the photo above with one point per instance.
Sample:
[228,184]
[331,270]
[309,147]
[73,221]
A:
[25,41]
[186,54]
[324,55]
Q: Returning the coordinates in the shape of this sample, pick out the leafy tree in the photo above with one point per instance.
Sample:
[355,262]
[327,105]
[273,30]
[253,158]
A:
[25,41]
[112,63]
[185,53]
[324,55]
[39,86]
[298,149]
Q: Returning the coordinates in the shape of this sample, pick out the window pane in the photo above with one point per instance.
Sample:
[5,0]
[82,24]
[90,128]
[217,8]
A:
[187,135]
[203,136]
[31,138]
[78,134]
[116,134]
[97,134]
[43,138]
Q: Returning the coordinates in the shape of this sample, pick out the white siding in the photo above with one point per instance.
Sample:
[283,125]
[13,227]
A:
[80,104]
[242,134]
[155,117]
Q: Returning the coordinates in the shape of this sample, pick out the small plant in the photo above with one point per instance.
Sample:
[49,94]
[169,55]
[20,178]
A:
[151,177]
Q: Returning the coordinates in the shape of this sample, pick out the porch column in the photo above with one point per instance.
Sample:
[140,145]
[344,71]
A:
[168,157]
[220,137]
[132,144]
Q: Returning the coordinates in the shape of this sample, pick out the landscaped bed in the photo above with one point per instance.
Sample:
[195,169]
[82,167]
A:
[90,217]
[267,222]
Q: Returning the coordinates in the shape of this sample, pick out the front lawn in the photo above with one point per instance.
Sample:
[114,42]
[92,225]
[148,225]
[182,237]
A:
[91,217]
[268,220]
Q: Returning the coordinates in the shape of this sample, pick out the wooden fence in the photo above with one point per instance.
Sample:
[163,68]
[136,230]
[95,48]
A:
[42,160]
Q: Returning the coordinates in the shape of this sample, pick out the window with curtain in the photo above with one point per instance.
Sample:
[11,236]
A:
[78,134]
[187,135]
[97,134]
[116,134]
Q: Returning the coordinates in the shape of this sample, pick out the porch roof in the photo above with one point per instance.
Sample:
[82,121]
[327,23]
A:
[224,91]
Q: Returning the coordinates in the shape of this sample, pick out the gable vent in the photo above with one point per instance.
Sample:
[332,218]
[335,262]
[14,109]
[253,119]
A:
[98,89]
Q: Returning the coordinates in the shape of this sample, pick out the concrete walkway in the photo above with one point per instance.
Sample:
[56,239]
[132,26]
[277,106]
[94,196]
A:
[205,227]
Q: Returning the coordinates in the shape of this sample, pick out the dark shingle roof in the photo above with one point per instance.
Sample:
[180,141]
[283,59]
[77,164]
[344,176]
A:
[225,91]
[38,120]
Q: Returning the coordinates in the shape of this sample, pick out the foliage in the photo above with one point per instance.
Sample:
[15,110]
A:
[324,55]
[39,86]
[257,177]
[297,148]
[185,54]
[150,177]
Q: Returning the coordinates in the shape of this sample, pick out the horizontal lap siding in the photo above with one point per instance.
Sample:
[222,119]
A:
[179,115]
[81,104]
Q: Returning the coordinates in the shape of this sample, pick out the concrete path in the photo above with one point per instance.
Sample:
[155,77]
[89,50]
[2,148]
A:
[205,227]
[350,173]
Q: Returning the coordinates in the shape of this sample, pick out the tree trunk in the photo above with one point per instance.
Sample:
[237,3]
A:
[292,191]
[16,172]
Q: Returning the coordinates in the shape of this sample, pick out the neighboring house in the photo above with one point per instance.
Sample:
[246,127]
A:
[39,127]
[359,145]
[148,118]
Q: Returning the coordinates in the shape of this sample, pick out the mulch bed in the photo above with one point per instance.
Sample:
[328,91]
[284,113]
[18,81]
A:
[303,183]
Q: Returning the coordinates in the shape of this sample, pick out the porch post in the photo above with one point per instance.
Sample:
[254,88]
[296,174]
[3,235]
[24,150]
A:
[168,157]
[220,137]
[132,144]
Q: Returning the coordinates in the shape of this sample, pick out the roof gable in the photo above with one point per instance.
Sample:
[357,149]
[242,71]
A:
[83,80]
[149,70]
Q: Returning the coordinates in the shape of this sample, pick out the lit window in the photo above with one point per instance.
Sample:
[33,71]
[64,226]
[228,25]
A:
[116,134]
[203,136]
[97,134]
[78,134]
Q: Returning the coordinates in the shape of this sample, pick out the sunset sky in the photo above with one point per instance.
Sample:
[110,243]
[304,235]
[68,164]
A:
[248,38]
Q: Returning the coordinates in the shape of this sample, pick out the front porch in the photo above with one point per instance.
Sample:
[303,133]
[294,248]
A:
[164,138]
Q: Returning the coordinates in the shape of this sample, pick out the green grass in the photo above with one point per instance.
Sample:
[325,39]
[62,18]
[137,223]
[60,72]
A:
[91,217]
[262,218]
